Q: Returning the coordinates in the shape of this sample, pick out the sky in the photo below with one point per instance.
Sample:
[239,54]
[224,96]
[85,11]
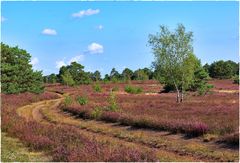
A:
[103,35]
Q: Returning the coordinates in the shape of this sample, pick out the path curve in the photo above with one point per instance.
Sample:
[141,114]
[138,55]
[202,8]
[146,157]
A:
[47,111]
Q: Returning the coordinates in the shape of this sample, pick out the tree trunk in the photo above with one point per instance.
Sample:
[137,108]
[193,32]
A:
[181,100]
[178,93]
[178,96]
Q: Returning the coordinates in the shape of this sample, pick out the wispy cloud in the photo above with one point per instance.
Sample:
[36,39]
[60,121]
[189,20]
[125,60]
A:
[87,12]
[59,64]
[62,62]
[49,31]
[77,58]
[34,61]
[95,48]
[100,27]
[3,19]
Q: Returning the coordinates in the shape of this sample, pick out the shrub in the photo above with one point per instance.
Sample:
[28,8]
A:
[133,90]
[97,88]
[114,80]
[112,102]
[203,89]
[67,101]
[236,79]
[96,113]
[82,100]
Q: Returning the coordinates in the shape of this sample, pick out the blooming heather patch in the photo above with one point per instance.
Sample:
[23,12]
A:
[63,142]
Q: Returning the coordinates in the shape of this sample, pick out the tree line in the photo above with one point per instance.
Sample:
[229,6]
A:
[74,74]
[175,65]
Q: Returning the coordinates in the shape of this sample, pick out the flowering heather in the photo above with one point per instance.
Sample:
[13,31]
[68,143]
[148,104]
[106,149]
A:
[63,142]
[215,113]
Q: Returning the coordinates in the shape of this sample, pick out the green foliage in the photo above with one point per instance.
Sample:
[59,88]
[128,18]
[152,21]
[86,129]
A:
[148,72]
[67,79]
[202,89]
[114,75]
[223,70]
[114,80]
[174,56]
[17,75]
[133,90]
[106,78]
[206,67]
[127,74]
[96,76]
[82,100]
[97,87]
[52,78]
[236,79]
[76,72]
[96,113]
[140,74]
[68,101]
[113,106]
[200,81]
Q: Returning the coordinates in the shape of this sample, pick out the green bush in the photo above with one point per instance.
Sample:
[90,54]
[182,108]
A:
[114,80]
[236,79]
[97,88]
[82,100]
[203,89]
[113,106]
[68,101]
[96,113]
[133,90]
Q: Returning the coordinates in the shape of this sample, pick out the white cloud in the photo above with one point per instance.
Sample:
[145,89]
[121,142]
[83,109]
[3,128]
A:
[95,48]
[3,19]
[49,31]
[34,61]
[59,64]
[77,58]
[100,27]
[87,12]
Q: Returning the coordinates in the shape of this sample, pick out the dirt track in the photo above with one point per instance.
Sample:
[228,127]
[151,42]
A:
[169,147]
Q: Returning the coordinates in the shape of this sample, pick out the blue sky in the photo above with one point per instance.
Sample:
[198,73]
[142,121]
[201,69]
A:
[103,35]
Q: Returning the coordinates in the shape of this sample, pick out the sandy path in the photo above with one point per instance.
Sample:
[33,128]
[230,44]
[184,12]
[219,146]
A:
[169,147]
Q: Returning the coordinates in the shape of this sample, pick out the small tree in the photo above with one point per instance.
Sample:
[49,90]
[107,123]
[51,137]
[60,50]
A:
[96,76]
[140,74]
[127,74]
[114,75]
[67,79]
[173,53]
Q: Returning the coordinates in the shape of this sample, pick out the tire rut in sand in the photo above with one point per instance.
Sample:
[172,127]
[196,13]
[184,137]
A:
[48,112]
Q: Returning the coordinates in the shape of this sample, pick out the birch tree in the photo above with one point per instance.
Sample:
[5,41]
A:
[174,58]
